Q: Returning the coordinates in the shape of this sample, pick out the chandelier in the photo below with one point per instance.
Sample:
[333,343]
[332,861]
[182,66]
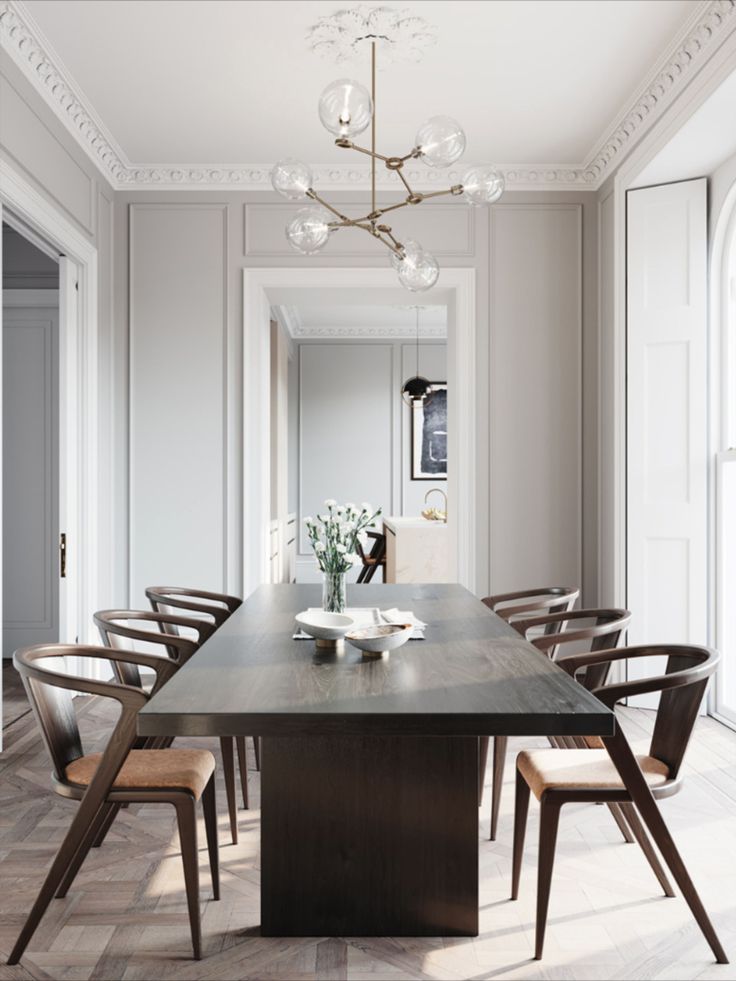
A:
[347,109]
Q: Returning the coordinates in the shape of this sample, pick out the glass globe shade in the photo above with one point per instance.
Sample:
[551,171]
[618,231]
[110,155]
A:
[441,141]
[291,178]
[415,390]
[419,271]
[345,108]
[482,185]
[411,249]
[309,230]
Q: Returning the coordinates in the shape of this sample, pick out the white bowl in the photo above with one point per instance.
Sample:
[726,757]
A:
[379,639]
[324,626]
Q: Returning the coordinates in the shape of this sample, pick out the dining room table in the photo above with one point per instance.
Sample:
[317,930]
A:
[369,765]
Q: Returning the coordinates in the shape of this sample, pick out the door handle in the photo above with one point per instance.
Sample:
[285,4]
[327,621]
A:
[62,555]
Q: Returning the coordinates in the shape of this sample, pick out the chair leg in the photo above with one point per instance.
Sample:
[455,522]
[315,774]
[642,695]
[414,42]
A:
[483,742]
[629,813]
[243,765]
[105,825]
[257,751]
[187,821]
[549,818]
[228,769]
[500,744]
[521,810]
[86,813]
[623,827]
[102,819]
[210,824]
[641,795]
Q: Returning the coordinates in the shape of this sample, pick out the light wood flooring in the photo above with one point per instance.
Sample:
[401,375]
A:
[125,917]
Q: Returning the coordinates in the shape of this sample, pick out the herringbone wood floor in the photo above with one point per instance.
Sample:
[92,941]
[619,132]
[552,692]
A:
[125,917]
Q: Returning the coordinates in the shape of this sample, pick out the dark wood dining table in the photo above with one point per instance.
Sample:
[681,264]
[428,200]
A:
[369,767]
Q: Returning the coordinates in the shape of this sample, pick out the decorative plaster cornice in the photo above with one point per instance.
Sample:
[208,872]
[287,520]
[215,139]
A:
[712,22]
[291,320]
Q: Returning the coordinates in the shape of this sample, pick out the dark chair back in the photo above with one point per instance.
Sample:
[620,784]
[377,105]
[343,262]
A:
[549,599]
[374,558]
[218,606]
[118,626]
[599,629]
[50,692]
[682,686]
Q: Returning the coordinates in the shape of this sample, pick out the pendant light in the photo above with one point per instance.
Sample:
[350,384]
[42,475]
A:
[416,389]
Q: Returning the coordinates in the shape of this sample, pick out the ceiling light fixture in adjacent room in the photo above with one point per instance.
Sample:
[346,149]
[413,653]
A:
[346,109]
[416,389]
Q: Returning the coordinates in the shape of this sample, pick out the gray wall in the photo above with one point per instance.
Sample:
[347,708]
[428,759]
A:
[353,439]
[24,266]
[38,145]
[535,257]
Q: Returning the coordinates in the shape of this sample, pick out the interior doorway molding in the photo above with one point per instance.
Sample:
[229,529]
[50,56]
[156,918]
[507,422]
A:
[78,396]
[458,285]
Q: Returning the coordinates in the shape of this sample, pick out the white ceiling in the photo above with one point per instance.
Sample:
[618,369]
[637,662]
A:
[212,82]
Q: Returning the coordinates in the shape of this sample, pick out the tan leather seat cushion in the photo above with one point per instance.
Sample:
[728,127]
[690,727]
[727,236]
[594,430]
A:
[148,769]
[580,769]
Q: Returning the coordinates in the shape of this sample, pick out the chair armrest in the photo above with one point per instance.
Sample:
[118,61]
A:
[610,694]
[29,660]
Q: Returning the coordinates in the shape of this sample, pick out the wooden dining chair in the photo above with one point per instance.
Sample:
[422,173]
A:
[122,774]
[598,630]
[123,628]
[374,559]
[553,599]
[509,606]
[562,776]
[215,607]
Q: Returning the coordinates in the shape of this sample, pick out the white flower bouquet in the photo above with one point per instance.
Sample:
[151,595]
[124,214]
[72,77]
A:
[334,537]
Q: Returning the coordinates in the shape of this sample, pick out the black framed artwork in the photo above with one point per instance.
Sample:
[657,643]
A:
[429,435]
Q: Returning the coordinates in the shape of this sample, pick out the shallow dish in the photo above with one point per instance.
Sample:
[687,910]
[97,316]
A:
[324,626]
[378,640]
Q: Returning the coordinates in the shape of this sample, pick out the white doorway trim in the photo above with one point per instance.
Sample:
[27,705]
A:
[458,284]
[78,396]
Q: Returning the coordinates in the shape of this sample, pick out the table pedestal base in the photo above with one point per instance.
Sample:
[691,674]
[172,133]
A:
[369,836]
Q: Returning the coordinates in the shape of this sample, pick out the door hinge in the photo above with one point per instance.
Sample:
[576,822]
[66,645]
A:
[62,555]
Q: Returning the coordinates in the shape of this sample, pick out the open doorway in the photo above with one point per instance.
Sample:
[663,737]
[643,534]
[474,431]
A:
[341,430]
[30,444]
[267,288]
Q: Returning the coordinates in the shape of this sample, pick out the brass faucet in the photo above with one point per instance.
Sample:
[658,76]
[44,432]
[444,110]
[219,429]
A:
[438,490]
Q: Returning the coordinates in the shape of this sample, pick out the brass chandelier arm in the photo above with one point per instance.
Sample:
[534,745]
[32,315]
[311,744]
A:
[455,189]
[311,193]
[405,182]
[349,145]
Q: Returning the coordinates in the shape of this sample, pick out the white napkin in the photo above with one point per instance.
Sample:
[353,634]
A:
[402,616]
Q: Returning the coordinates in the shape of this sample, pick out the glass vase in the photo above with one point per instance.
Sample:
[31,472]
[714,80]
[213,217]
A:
[333,592]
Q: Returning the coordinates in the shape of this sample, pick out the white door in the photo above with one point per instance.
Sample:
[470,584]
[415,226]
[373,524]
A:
[667,465]
[30,413]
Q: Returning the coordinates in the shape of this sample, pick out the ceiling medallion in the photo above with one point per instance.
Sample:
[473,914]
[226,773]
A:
[345,35]
[346,109]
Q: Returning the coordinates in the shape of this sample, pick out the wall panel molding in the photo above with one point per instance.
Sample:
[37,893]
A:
[178,296]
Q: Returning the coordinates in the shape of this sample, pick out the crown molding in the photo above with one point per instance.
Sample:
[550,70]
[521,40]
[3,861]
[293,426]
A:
[711,23]
[290,319]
